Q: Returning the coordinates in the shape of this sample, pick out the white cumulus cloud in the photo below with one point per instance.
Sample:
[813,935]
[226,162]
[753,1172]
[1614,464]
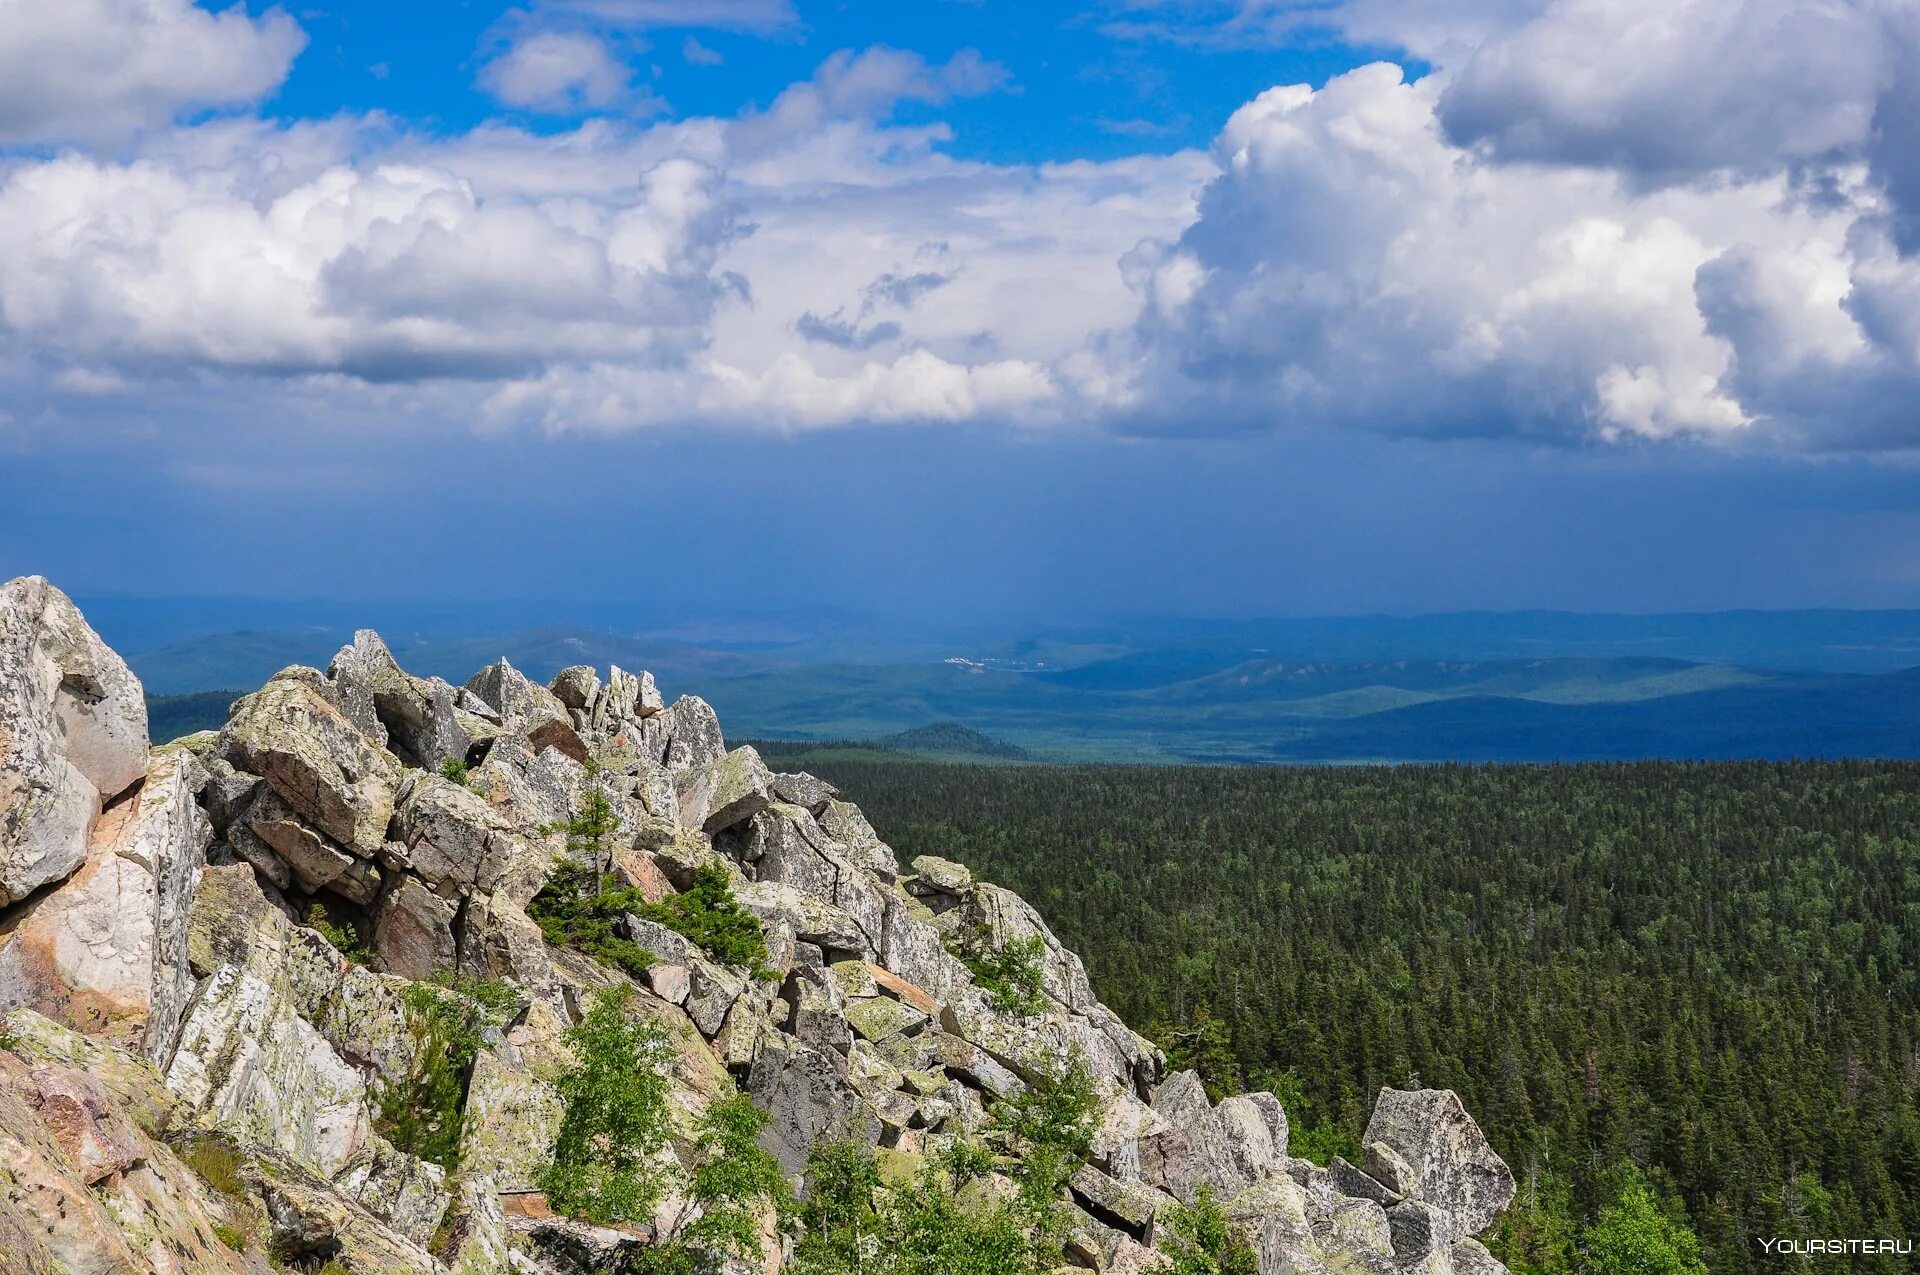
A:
[101,70]
[558,72]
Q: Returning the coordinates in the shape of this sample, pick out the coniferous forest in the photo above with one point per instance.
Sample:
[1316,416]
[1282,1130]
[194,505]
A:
[1696,984]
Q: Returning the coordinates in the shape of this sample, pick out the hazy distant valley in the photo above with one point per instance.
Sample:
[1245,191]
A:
[1524,687]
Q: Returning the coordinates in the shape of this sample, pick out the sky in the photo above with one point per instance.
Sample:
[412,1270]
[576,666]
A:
[965,309]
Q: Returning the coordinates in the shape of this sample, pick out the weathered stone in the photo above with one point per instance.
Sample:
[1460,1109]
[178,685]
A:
[1256,1130]
[1196,1149]
[1122,1123]
[809,792]
[942,875]
[406,1193]
[248,1063]
[881,1018]
[413,931]
[559,737]
[315,759]
[77,1109]
[973,1065]
[1390,1169]
[497,939]
[1272,1215]
[808,1100]
[412,717]
[684,736]
[1470,1257]
[711,992]
[511,1120]
[819,1010]
[576,687]
[1128,1204]
[720,794]
[454,840]
[1420,1232]
[73,731]
[1350,1180]
[862,846]
[520,703]
[1452,1164]
[532,790]
[107,952]
[145,1217]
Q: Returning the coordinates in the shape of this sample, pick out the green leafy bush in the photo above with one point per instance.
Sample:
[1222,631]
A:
[424,1114]
[576,909]
[1203,1240]
[1051,1124]
[708,914]
[1008,974]
[734,1184]
[454,768]
[854,1226]
[345,937]
[604,1166]
[1636,1235]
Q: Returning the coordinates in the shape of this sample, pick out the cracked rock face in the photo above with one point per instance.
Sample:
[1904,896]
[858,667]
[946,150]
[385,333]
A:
[224,940]
[73,735]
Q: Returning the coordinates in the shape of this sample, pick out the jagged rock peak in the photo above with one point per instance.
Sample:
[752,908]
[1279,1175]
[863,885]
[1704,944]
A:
[212,956]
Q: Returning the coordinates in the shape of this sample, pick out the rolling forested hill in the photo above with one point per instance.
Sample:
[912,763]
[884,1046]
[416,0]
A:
[1708,973]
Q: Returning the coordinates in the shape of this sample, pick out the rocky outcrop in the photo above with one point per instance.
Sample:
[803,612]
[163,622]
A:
[213,958]
[73,735]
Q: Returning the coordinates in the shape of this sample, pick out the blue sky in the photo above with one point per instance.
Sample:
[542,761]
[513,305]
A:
[1075,88]
[965,308]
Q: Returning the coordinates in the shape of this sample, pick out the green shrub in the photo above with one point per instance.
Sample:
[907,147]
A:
[576,909]
[734,1182]
[232,1237]
[1051,1123]
[707,913]
[217,1162]
[1636,1235]
[9,1036]
[424,1114]
[346,939]
[853,1226]
[454,768]
[1205,1241]
[1008,974]
[616,1120]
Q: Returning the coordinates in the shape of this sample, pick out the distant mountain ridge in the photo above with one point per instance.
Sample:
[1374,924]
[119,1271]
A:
[1215,700]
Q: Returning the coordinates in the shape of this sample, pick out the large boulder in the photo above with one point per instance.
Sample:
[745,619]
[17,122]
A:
[520,703]
[1452,1165]
[809,1100]
[413,718]
[314,757]
[107,953]
[73,733]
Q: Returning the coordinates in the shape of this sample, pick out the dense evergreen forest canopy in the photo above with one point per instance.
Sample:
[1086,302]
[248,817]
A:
[1699,975]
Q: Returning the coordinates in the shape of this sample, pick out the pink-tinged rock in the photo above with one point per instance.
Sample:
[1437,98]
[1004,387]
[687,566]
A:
[106,953]
[73,732]
[77,1110]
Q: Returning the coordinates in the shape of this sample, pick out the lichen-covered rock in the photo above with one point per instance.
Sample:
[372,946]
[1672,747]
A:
[316,759]
[719,794]
[73,732]
[1452,1165]
[519,703]
[809,1100]
[512,1118]
[412,717]
[107,953]
[413,931]
[1196,1149]
[684,736]
[249,1064]
[89,1193]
